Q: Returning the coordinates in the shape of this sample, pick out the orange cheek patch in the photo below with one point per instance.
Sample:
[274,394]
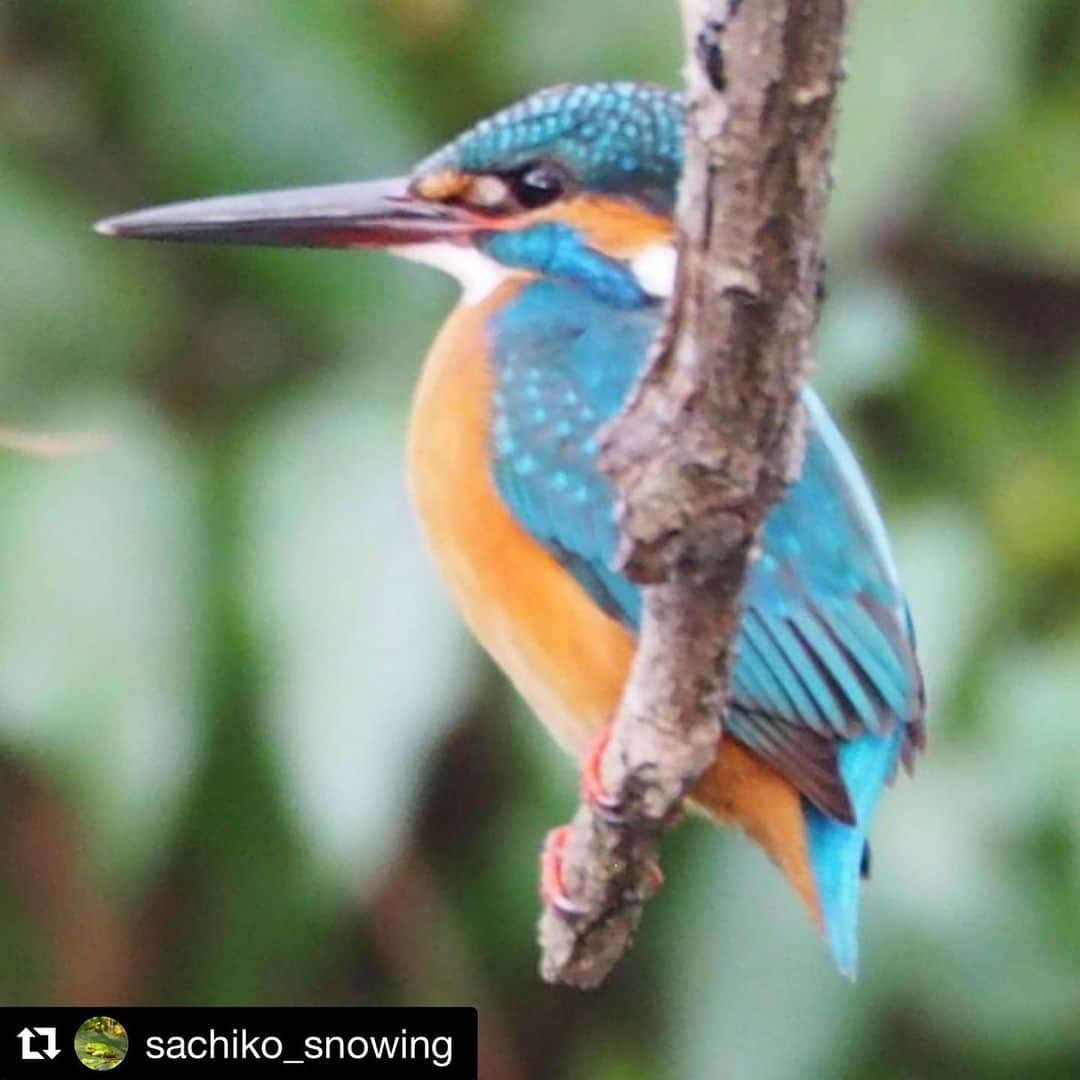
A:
[616,227]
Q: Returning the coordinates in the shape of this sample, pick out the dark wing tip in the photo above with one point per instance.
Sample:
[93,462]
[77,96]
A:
[805,758]
[827,791]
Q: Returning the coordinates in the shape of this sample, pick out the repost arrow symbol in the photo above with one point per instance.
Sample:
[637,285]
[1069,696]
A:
[26,1037]
[51,1049]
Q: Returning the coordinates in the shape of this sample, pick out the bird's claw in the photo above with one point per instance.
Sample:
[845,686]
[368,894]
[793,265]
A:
[656,878]
[593,792]
[552,886]
[553,892]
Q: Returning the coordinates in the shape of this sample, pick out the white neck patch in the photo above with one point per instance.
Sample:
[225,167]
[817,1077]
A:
[654,267]
[478,274]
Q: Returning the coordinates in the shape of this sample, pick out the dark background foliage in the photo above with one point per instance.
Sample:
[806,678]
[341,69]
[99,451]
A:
[248,755]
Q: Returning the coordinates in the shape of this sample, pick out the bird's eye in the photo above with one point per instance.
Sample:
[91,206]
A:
[537,185]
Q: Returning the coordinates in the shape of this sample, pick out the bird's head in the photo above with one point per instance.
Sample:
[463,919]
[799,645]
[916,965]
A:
[573,182]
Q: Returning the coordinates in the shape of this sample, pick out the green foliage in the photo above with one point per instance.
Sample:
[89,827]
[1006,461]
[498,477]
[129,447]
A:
[247,754]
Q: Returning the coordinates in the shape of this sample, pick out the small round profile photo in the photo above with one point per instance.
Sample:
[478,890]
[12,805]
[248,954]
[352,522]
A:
[101,1043]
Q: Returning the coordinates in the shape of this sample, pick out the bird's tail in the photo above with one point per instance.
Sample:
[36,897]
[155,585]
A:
[838,851]
[821,858]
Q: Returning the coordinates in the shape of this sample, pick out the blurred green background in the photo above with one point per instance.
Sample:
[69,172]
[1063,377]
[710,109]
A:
[247,753]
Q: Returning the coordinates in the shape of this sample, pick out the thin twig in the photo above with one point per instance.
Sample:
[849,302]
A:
[712,436]
[39,444]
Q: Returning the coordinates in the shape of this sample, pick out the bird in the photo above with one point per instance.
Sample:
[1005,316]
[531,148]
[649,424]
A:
[557,216]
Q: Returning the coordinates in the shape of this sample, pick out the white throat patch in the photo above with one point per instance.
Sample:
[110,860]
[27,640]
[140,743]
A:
[478,274]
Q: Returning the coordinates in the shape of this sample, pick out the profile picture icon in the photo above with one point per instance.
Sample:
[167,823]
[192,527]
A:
[101,1043]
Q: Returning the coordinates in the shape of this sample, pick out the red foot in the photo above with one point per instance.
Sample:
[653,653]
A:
[593,791]
[657,877]
[552,886]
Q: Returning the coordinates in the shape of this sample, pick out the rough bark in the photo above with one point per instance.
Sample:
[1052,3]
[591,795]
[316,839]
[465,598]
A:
[711,437]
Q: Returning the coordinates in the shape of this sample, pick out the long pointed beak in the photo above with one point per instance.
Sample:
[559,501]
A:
[380,213]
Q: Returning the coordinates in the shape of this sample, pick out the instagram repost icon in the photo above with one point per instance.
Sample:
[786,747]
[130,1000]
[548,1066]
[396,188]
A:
[101,1043]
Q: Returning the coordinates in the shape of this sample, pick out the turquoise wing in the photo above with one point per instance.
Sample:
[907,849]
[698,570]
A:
[825,684]
[825,653]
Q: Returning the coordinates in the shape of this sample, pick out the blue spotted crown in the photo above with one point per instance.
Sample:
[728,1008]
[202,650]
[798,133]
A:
[614,138]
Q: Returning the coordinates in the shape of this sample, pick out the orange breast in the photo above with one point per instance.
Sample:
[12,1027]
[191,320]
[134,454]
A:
[566,657]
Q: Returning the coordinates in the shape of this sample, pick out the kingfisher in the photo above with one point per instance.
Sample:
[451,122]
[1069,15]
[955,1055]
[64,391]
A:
[556,215]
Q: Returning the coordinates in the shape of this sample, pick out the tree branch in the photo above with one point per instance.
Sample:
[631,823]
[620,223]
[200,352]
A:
[712,435]
[37,444]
